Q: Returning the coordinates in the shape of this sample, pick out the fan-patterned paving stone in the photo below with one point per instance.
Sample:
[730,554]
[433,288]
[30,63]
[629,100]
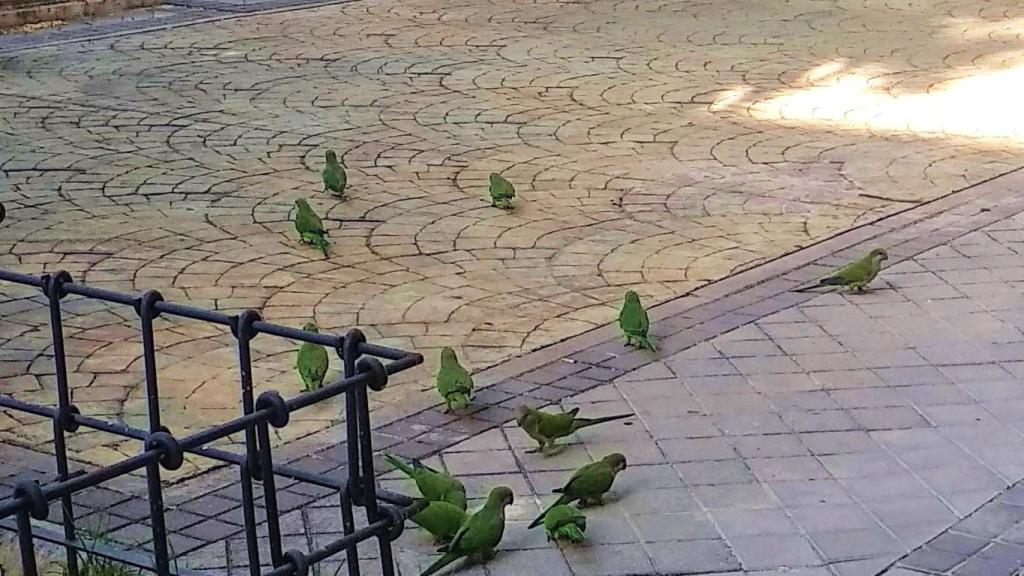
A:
[655,146]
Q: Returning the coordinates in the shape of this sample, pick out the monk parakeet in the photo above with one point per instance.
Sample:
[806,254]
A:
[587,484]
[480,534]
[634,323]
[502,192]
[545,428]
[334,175]
[312,362]
[308,224]
[453,381]
[565,522]
[433,485]
[856,275]
[441,519]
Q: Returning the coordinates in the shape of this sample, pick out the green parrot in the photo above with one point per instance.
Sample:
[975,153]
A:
[545,428]
[433,485]
[441,519]
[634,323]
[856,275]
[310,228]
[453,381]
[480,534]
[565,522]
[334,175]
[502,192]
[312,362]
[587,484]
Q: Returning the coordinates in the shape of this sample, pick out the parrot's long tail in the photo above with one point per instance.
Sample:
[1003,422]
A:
[587,422]
[561,500]
[573,533]
[646,342]
[399,463]
[830,281]
[321,243]
[441,562]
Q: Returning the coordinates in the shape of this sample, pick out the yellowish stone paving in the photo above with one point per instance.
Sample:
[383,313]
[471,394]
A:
[655,146]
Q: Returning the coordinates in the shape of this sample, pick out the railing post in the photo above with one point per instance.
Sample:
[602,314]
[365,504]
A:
[244,333]
[378,382]
[279,419]
[64,420]
[349,352]
[145,306]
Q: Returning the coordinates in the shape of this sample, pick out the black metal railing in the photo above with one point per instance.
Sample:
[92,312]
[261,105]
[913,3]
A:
[356,485]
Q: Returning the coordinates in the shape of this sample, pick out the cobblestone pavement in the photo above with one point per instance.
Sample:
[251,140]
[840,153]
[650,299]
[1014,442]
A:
[656,146]
[815,435]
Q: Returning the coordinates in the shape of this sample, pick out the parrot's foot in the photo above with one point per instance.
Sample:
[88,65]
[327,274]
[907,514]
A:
[554,449]
[534,450]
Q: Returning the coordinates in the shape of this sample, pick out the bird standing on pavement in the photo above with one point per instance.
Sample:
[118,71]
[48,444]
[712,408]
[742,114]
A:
[312,362]
[454,383]
[502,192]
[480,534]
[565,522]
[334,176]
[588,484]
[856,275]
[309,226]
[545,428]
[434,485]
[634,323]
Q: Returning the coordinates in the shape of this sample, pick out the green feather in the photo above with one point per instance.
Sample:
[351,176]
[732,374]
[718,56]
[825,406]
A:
[588,484]
[454,383]
[481,533]
[441,519]
[312,362]
[433,485]
[856,275]
[502,191]
[333,174]
[565,522]
[309,226]
[633,321]
[545,428]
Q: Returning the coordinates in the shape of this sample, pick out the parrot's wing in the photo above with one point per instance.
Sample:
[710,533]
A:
[855,271]
[633,318]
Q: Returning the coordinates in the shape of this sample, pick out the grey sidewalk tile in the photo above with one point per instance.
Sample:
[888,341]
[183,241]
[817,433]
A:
[922,509]
[715,472]
[608,560]
[932,560]
[748,495]
[546,560]
[763,552]
[697,449]
[802,493]
[854,544]
[787,468]
[738,522]
[664,527]
[693,557]
[991,520]
[829,518]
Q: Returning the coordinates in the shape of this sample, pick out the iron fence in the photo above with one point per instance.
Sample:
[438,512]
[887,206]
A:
[356,485]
